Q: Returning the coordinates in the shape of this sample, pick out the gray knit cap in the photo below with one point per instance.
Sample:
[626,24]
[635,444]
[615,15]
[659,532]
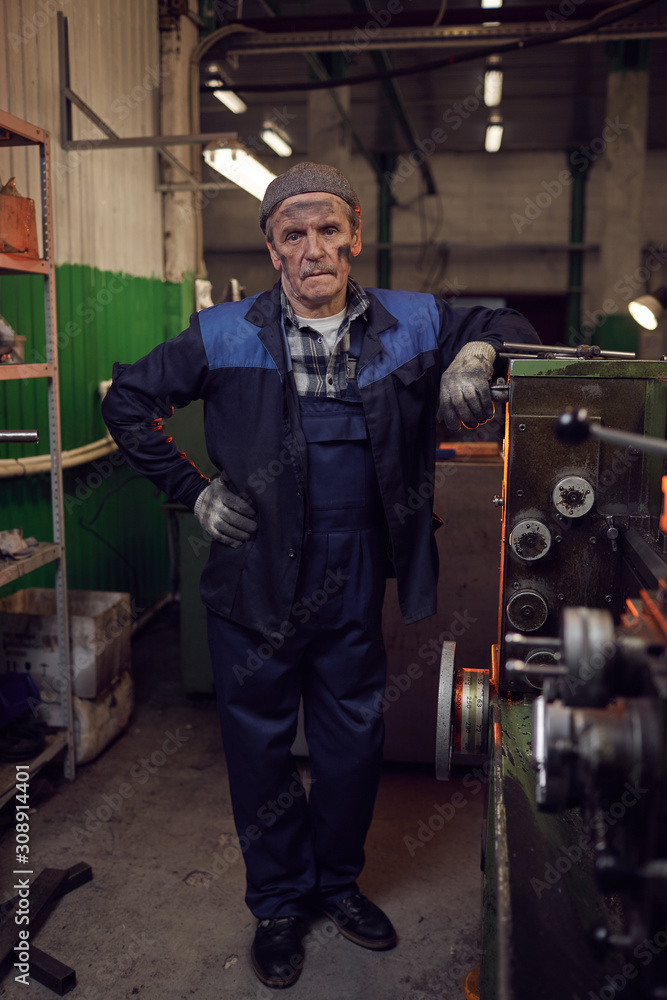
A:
[302,179]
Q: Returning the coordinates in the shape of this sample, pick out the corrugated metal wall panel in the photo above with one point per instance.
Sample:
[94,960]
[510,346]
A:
[107,213]
[102,318]
[111,301]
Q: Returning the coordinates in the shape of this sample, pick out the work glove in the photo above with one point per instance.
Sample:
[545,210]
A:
[465,393]
[226,516]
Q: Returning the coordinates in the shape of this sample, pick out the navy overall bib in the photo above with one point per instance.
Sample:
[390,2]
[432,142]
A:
[299,846]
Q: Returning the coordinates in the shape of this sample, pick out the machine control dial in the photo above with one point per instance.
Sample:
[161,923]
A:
[573,496]
[527,610]
[530,540]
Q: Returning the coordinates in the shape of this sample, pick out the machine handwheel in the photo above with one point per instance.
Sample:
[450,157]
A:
[463,715]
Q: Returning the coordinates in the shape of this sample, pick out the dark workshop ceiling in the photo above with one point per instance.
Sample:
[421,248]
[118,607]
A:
[553,95]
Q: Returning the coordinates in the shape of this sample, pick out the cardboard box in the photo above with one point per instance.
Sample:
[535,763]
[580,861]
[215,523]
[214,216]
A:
[97,721]
[99,624]
[18,227]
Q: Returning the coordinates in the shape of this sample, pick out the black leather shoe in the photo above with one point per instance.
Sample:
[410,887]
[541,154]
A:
[277,952]
[361,921]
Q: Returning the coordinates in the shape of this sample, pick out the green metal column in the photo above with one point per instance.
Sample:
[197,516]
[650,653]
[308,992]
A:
[624,134]
[576,258]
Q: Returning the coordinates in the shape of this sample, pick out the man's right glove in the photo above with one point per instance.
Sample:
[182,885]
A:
[465,394]
[226,516]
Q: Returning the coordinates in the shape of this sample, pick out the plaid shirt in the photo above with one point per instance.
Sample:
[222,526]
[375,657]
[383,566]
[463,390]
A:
[316,371]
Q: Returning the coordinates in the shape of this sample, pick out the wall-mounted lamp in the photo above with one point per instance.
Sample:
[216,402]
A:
[231,159]
[647,309]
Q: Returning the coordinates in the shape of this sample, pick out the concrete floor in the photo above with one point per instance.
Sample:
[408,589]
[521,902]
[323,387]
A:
[164,917]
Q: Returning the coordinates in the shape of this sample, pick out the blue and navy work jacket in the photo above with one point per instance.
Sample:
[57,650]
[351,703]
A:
[234,357]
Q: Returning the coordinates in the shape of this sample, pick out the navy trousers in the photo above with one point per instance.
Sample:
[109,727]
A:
[299,844]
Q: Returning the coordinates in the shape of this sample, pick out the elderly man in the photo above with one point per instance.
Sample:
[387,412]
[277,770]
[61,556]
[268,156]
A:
[320,411]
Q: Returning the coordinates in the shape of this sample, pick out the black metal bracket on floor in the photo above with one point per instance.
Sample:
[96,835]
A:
[49,886]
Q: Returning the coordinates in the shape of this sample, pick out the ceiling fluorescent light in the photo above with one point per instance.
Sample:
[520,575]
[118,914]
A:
[231,101]
[493,87]
[234,162]
[276,142]
[494,137]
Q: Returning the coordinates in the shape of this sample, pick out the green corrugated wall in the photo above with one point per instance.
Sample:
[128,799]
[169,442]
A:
[115,530]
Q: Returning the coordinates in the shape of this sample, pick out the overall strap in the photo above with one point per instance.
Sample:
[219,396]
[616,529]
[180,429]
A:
[353,355]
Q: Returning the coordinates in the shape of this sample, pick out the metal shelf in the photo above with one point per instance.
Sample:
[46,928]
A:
[15,132]
[44,553]
[20,133]
[18,371]
[18,262]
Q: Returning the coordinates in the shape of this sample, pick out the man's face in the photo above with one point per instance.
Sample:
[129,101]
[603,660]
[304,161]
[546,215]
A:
[312,246]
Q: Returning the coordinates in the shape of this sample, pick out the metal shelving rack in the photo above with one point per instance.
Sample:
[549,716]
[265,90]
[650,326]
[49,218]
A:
[16,132]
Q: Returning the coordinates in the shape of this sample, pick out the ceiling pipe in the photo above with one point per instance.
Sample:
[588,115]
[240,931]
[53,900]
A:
[529,37]
[321,72]
[393,91]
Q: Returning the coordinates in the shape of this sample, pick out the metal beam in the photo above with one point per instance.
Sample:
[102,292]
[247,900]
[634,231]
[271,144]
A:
[468,15]
[328,40]
[458,247]
[204,186]
[113,141]
[393,91]
[139,141]
[322,73]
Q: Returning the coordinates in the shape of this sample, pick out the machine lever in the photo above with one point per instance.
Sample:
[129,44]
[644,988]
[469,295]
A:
[574,427]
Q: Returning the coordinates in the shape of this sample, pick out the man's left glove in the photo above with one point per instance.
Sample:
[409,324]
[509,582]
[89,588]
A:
[465,393]
[226,516]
